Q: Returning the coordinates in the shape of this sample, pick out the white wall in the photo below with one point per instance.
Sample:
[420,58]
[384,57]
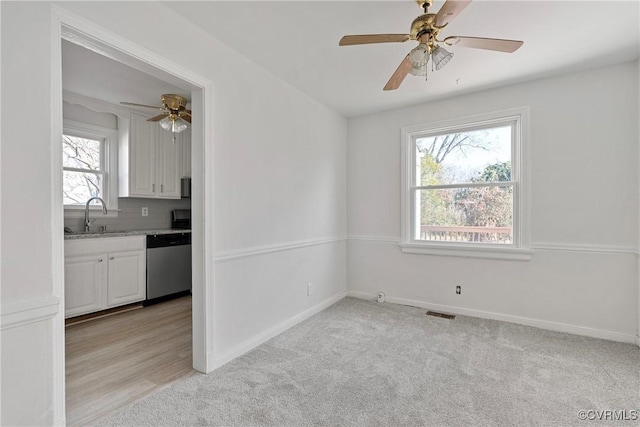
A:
[584,209]
[280,193]
[27,349]
[280,200]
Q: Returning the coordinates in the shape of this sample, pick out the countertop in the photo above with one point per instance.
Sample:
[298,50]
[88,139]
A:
[93,235]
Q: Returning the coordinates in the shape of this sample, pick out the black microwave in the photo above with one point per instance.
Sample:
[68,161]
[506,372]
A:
[181,219]
[185,188]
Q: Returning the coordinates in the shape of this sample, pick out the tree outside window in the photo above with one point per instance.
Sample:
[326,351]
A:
[463,186]
[83,169]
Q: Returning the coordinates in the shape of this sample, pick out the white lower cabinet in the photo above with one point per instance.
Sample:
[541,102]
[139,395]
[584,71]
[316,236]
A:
[84,281]
[103,273]
[126,278]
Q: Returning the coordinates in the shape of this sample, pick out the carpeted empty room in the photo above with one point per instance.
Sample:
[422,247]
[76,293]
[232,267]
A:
[361,363]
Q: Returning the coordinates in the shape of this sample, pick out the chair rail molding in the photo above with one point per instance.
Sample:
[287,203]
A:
[582,247]
[535,246]
[19,313]
[229,255]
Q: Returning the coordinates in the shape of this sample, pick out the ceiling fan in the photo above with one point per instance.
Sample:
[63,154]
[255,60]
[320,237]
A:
[175,115]
[425,29]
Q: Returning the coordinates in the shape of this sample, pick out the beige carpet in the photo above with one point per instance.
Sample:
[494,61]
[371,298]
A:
[361,363]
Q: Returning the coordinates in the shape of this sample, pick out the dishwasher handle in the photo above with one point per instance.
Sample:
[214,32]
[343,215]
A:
[166,240]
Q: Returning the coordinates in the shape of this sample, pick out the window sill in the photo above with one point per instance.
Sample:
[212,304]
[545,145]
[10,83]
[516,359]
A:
[468,251]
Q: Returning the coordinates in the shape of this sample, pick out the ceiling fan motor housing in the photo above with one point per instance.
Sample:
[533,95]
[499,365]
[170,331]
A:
[174,102]
[424,25]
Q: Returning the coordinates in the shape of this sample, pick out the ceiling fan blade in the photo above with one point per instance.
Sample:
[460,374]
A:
[185,115]
[373,38]
[158,117]
[398,76]
[450,10]
[142,105]
[500,45]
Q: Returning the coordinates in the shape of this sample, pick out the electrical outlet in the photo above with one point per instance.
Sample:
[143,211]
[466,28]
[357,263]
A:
[458,290]
[309,289]
[145,211]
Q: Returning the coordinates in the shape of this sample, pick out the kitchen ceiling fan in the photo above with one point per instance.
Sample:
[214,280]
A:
[425,29]
[175,115]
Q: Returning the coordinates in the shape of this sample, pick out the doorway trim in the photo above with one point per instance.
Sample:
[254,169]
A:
[68,26]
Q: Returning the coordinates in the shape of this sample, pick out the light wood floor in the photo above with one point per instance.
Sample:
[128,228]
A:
[113,361]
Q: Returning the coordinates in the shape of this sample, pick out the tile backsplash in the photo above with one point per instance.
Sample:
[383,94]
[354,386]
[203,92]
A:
[130,215]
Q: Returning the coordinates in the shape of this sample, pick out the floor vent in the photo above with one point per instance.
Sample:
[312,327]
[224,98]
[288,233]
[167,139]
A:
[443,315]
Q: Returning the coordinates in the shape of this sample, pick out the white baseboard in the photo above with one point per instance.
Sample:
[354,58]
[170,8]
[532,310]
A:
[363,295]
[250,344]
[542,324]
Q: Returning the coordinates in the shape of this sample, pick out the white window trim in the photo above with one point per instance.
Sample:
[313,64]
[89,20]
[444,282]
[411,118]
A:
[110,137]
[520,250]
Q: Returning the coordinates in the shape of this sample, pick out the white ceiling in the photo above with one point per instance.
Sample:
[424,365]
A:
[90,74]
[298,41]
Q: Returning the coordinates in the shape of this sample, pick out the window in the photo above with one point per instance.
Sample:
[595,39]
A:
[463,187]
[89,166]
[84,171]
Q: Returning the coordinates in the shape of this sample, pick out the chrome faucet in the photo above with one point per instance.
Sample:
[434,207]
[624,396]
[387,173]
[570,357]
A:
[87,221]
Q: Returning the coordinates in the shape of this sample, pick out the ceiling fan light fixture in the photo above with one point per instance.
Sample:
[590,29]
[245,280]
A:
[419,57]
[166,123]
[441,57]
[178,125]
[173,123]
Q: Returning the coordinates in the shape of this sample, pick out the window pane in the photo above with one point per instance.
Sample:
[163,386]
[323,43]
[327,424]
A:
[467,214]
[78,187]
[80,153]
[479,155]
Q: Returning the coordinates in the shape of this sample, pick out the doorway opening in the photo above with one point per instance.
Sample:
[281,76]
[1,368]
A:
[80,33]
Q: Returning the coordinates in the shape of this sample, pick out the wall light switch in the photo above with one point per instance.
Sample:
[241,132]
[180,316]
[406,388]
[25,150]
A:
[145,211]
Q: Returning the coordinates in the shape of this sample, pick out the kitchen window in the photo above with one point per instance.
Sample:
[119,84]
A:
[89,161]
[464,187]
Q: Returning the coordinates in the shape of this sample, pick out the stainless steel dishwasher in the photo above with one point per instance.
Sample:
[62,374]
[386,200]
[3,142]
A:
[168,266]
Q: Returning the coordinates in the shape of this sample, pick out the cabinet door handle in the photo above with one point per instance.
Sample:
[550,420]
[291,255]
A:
[99,259]
[153,188]
[162,188]
[110,257]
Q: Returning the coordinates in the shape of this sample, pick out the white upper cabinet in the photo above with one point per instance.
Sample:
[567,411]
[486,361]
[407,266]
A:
[142,158]
[149,159]
[170,158]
